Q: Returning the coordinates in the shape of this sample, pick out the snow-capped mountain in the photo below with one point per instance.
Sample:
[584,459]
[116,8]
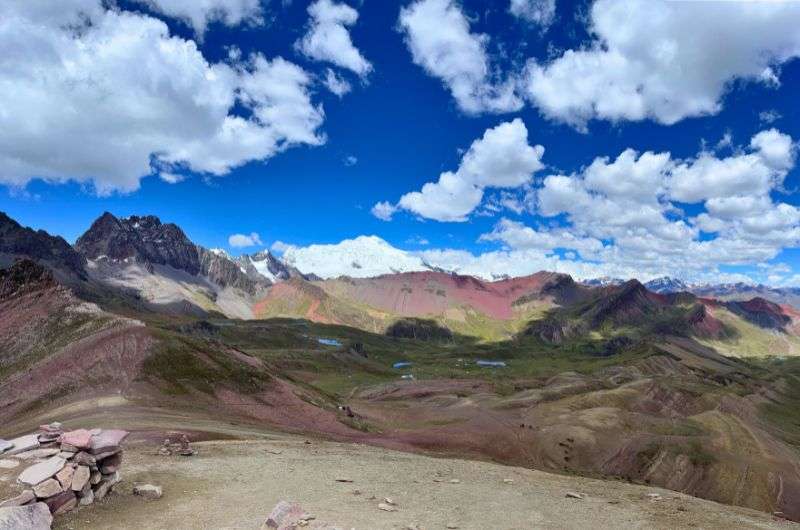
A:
[362,257]
[665,285]
[603,281]
[268,266]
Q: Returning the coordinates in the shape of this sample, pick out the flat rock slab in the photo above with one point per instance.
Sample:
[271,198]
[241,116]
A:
[5,445]
[42,471]
[48,488]
[107,441]
[80,439]
[37,453]
[81,478]
[24,443]
[31,517]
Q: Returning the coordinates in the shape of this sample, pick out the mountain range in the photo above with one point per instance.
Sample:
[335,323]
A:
[660,383]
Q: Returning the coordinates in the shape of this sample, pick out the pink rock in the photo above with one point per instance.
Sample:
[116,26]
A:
[285,515]
[80,439]
[107,441]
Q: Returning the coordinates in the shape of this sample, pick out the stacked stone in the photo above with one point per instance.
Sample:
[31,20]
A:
[72,469]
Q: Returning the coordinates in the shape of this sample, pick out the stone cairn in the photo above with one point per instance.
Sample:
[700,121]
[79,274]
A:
[70,469]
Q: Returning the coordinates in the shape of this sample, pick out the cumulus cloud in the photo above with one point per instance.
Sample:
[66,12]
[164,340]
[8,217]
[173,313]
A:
[502,158]
[661,60]
[438,35]
[540,12]
[109,96]
[629,204]
[384,210]
[199,13]
[328,38]
[245,240]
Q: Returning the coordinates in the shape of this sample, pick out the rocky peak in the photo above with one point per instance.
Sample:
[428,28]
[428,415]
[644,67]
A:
[142,239]
[17,242]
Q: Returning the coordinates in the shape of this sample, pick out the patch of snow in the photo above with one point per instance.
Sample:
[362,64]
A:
[262,267]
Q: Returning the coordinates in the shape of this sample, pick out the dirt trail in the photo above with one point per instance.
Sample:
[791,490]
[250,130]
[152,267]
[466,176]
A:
[234,484]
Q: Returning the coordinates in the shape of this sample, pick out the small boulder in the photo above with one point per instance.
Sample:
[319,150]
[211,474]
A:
[30,517]
[42,471]
[148,491]
[48,488]
[387,507]
[573,495]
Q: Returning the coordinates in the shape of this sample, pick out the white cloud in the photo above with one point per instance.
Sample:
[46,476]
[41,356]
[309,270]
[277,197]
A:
[627,205]
[336,83]
[280,247]
[665,60]
[350,160]
[438,35]
[328,38]
[518,236]
[99,100]
[384,210]
[199,13]
[171,178]
[502,158]
[754,174]
[540,12]
[245,240]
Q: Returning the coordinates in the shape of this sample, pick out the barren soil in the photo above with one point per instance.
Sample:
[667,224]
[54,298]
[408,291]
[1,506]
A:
[234,485]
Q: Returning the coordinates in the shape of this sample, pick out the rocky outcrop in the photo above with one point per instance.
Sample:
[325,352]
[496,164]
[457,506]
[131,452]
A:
[142,239]
[18,242]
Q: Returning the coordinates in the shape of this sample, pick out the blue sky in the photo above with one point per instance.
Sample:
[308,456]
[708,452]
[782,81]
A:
[401,126]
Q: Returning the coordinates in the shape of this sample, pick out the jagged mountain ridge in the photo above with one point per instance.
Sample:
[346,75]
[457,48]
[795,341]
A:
[17,241]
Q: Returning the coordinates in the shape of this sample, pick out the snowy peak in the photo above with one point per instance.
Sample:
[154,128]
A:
[362,257]
[666,285]
[266,265]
